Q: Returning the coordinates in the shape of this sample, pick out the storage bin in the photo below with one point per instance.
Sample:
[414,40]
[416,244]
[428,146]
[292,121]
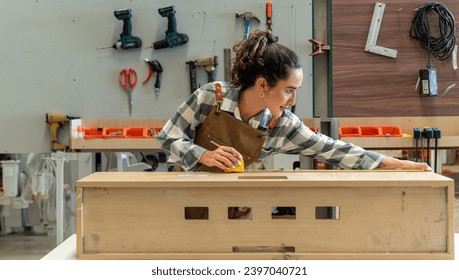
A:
[393,131]
[314,129]
[370,131]
[93,133]
[350,131]
[137,132]
[153,131]
[111,132]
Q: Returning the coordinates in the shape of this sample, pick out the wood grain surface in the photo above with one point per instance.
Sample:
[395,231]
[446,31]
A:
[371,85]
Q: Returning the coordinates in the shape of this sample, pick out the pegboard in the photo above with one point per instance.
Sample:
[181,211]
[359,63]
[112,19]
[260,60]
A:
[50,61]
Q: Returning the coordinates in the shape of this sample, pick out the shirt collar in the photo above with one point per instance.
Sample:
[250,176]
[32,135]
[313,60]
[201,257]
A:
[230,104]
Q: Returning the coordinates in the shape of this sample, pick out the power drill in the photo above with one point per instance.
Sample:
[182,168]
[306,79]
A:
[173,38]
[126,41]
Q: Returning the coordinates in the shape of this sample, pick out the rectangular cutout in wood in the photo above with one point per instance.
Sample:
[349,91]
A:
[239,213]
[263,249]
[327,213]
[196,213]
[283,212]
[262,177]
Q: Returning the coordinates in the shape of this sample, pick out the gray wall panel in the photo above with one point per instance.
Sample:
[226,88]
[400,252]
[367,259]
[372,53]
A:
[50,62]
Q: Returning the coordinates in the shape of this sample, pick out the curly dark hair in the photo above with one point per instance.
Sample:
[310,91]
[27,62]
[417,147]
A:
[261,55]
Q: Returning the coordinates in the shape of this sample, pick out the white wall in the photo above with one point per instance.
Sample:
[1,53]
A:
[49,61]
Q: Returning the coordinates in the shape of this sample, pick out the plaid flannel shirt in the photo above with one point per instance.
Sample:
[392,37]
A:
[290,136]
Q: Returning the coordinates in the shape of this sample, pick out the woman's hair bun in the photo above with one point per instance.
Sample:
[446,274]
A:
[271,38]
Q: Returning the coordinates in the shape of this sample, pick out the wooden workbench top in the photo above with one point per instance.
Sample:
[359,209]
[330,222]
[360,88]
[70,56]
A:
[264,179]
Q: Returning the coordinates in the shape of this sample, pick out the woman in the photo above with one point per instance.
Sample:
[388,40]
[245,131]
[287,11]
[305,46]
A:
[266,77]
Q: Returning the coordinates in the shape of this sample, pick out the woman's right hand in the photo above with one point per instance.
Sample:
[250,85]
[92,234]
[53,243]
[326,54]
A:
[223,157]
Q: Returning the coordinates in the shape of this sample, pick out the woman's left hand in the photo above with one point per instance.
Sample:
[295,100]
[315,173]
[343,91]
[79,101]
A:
[390,163]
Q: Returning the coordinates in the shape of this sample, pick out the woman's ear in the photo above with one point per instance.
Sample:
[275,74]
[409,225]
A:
[262,84]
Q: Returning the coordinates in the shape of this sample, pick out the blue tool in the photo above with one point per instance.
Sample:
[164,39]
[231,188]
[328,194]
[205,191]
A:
[248,17]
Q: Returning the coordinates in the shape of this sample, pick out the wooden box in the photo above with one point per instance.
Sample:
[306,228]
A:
[331,215]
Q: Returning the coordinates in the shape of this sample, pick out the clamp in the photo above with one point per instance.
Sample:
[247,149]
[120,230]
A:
[318,47]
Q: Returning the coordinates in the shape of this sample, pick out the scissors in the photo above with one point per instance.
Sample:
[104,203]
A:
[128,80]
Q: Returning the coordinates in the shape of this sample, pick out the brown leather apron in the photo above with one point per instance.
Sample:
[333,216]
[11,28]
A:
[222,128]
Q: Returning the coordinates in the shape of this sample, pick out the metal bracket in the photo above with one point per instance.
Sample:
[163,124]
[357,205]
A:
[374,32]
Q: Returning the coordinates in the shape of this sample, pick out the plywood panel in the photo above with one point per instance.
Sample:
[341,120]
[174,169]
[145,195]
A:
[381,215]
[366,84]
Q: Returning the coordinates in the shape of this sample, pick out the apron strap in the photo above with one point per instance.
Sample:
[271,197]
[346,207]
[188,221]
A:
[218,96]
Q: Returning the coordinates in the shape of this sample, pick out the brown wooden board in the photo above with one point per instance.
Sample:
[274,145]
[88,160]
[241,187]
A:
[376,215]
[367,84]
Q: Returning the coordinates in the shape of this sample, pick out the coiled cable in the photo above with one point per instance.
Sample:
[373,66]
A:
[441,47]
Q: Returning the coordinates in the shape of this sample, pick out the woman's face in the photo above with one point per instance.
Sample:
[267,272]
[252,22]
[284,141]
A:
[283,95]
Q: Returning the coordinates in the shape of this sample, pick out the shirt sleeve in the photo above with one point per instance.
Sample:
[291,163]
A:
[293,137]
[176,137]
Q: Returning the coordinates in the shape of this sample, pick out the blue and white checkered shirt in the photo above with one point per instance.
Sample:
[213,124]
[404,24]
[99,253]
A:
[290,136]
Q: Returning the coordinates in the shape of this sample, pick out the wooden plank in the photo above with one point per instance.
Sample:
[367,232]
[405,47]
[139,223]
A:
[299,179]
[124,122]
[265,256]
[125,144]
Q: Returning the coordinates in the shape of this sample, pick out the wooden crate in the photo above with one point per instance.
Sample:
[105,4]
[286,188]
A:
[338,215]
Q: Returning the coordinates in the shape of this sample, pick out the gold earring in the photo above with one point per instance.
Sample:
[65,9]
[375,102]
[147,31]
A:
[262,94]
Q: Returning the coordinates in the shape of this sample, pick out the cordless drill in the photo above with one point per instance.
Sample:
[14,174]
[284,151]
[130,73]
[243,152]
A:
[173,38]
[126,41]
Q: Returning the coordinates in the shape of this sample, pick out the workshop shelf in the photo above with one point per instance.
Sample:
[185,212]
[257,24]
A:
[116,142]
[370,131]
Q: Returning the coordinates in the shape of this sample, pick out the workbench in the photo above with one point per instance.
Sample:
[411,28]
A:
[336,215]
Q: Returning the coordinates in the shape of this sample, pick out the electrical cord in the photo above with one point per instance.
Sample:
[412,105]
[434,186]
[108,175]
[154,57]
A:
[441,47]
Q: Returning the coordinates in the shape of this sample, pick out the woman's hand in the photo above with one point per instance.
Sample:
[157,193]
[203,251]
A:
[223,157]
[390,163]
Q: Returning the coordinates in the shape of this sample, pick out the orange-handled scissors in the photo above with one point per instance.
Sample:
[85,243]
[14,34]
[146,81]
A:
[128,80]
